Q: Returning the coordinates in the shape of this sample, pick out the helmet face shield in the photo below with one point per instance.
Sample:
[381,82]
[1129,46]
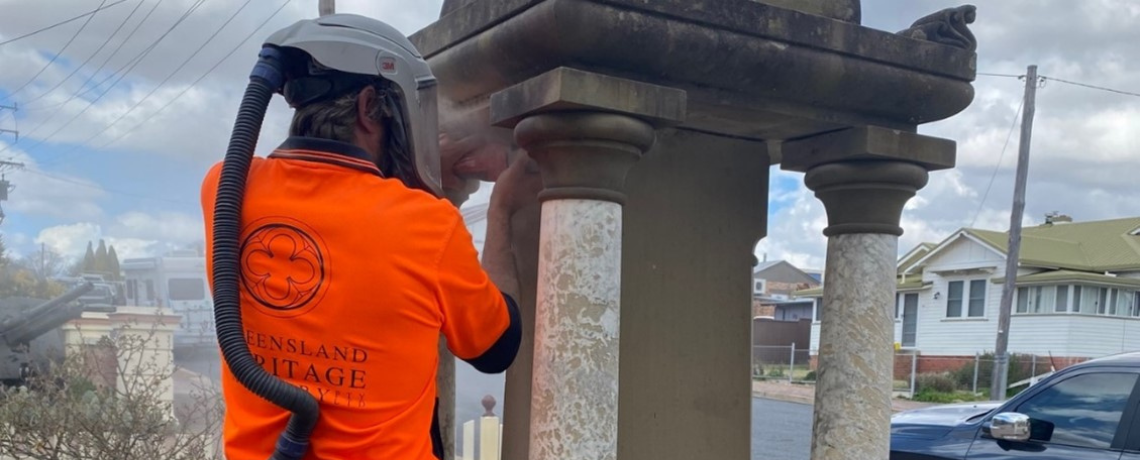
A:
[423,121]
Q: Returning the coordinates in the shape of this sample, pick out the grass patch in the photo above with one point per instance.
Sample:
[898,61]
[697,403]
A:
[942,397]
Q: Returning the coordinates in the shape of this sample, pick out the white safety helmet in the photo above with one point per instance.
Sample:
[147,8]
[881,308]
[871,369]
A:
[365,48]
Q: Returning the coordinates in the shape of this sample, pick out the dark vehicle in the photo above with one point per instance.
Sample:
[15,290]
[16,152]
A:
[1084,412]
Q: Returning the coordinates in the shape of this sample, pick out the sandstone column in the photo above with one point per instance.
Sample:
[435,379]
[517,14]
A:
[584,158]
[864,176]
[585,131]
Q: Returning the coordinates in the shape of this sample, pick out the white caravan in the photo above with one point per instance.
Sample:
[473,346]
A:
[176,281]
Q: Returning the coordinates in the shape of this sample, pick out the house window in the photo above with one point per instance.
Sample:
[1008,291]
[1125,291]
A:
[966,298]
[1125,301]
[1036,299]
[954,300]
[977,298]
[1090,300]
[817,304]
[1062,299]
[149,290]
[1102,305]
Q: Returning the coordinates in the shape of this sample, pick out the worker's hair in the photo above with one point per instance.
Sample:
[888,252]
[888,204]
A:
[335,119]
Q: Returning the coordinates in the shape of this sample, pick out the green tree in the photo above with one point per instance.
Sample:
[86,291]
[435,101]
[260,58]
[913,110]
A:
[113,264]
[89,258]
[101,265]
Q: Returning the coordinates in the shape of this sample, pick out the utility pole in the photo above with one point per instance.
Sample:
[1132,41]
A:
[5,186]
[327,7]
[1000,375]
[15,132]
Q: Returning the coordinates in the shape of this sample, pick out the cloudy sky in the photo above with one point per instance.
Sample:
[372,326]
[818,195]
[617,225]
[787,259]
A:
[118,122]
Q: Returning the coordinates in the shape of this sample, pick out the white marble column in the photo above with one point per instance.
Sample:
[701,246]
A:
[584,158]
[864,201]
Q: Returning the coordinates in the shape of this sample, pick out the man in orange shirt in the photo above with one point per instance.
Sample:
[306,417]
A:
[352,264]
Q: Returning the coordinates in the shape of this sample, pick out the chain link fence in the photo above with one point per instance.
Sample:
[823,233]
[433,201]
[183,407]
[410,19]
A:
[782,363]
[924,378]
[966,378]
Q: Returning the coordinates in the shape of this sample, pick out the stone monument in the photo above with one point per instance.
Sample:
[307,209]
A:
[655,125]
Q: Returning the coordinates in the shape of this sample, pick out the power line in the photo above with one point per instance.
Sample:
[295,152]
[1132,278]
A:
[200,78]
[997,166]
[139,59]
[175,71]
[84,88]
[101,188]
[55,56]
[1006,75]
[89,58]
[1086,85]
[89,13]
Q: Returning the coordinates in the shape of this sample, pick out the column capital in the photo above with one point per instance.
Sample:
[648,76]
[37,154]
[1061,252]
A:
[864,175]
[584,155]
[865,196]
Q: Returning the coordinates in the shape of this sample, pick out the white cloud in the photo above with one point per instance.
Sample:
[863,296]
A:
[173,227]
[70,240]
[56,195]
[133,234]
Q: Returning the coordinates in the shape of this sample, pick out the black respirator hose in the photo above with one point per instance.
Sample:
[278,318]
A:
[267,77]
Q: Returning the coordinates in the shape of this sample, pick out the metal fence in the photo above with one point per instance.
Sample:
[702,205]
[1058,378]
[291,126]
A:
[962,377]
[782,362]
[935,378]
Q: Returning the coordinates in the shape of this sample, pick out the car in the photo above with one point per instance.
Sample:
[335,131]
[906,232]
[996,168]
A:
[1088,411]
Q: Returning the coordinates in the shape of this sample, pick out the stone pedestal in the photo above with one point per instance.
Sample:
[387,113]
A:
[728,76]
[864,176]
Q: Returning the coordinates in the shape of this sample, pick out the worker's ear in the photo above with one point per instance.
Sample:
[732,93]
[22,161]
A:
[368,111]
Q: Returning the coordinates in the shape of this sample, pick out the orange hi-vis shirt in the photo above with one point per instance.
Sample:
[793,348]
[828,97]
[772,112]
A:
[348,280]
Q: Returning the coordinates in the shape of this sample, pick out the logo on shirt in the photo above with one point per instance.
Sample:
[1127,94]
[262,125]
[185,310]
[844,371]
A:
[283,267]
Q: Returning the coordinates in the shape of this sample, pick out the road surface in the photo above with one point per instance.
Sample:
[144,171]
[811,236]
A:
[780,430]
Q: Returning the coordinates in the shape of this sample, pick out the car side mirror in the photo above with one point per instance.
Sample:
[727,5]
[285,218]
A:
[1009,426]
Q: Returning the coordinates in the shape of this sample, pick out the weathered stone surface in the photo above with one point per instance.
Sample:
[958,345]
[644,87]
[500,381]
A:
[445,391]
[584,154]
[697,204]
[865,196]
[720,51]
[843,10]
[516,390]
[949,27]
[853,384]
[868,143]
[576,337]
[564,89]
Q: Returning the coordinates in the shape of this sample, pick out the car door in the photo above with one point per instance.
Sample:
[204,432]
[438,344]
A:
[1072,417]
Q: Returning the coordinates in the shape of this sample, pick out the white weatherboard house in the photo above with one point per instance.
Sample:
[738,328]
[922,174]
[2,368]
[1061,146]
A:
[1076,295]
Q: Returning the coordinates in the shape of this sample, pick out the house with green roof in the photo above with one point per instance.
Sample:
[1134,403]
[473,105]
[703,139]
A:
[1076,297]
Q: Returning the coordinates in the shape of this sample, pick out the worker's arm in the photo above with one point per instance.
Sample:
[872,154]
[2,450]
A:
[480,321]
